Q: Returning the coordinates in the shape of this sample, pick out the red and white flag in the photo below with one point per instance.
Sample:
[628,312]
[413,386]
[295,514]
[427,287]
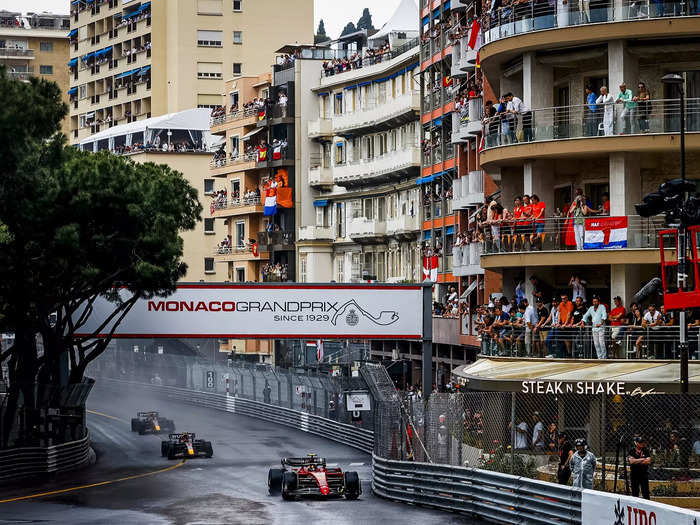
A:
[277,153]
[475,35]
[430,268]
[319,350]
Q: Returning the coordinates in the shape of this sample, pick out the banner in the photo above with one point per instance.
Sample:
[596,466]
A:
[430,268]
[268,311]
[603,233]
[603,508]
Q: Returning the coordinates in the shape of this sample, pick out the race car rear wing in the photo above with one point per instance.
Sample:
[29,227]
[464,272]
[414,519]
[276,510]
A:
[303,462]
[178,435]
[146,414]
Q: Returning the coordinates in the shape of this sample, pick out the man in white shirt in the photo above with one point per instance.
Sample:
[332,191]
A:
[530,320]
[520,435]
[537,433]
[518,107]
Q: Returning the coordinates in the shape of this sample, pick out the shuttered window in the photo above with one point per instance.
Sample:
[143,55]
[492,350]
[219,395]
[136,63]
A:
[209,7]
[209,70]
[209,38]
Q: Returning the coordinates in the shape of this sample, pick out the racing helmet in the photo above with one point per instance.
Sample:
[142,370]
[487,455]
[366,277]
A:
[580,442]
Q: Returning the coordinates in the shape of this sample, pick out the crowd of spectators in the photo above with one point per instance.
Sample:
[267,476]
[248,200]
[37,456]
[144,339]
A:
[275,272]
[450,305]
[367,57]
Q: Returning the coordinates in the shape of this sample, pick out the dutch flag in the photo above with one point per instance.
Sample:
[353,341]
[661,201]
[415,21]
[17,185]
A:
[271,202]
[605,233]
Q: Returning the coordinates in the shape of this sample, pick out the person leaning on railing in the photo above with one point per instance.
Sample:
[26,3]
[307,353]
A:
[596,316]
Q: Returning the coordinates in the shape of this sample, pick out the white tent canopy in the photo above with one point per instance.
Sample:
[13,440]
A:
[404,20]
[196,121]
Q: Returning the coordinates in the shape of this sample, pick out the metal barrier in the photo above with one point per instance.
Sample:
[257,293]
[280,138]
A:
[488,495]
[21,463]
[327,428]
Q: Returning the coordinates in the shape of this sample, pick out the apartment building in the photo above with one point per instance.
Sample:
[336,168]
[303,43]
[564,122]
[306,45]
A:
[132,60]
[36,44]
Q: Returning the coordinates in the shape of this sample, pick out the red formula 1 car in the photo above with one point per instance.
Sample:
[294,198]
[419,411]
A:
[310,476]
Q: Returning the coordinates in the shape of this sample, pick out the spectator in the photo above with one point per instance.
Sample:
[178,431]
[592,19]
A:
[519,290]
[578,211]
[529,322]
[520,435]
[617,317]
[605,197]
[590,116]
[597,315]
[552,341]
[538,213]
[566,309]
[540,331]
[538,434]
[607,100]
[566,451]
[518,107]
[551,438]
[630,107]
[639,460]
[643,107]
[653,321]
[540,289]
[493,218]
[636,329]
[583,464]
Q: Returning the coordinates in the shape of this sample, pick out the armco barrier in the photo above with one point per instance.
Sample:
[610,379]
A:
[21,463]
[488,495]
[347,434]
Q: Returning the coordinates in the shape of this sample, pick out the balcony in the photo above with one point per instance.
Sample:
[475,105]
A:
[238,254]
[468,190]
[23,75]
[378,116]
[466,260]
[467,55]
[607,240]
[276,241]
[235,207]
[12,53]
[533,17]
[320,176]
[579,130]
[392,165]
[233,116]
[229,164]
[322,127]
[277,114]
[316,233]
[446,330]
[404,227]
[367,230]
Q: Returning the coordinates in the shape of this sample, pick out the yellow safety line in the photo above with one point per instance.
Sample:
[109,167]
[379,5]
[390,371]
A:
[105,415]
[109,482]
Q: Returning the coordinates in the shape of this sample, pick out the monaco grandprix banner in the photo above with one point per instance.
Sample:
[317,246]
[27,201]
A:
[604,233]
[294,311]
[602,508]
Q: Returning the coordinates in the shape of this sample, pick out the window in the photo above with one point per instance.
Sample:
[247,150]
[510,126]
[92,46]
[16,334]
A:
[235,143]
[209,70]
[238,37]
[240,234]
[302,267]
[266,93]
[321,216]
[240,275]
[340,219]
[235,188]
[209,7]
[46,70]
[209,38]
[208,186]
[208,225]
[46,47]
[340,272]
[237,68]
[338,108]
[339,153]
[238,5]
[208,265]
[208,101]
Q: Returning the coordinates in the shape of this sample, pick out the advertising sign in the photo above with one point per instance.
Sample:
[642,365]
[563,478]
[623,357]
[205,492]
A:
[602,508]
[314,311]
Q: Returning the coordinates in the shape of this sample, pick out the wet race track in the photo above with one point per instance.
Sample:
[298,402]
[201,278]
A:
[132,483]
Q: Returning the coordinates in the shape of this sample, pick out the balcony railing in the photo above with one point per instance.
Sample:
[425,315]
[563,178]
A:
[21,75]
[363,62]
[279,238]
[364,228]
[233,250]
[592,120]
[535,16]
[230,160]
[374,111]
[234,115]
[468,190]
[18,53]
[376,167]
[230,204]
[559,234]
[402,224]
[316,233]
[620,342]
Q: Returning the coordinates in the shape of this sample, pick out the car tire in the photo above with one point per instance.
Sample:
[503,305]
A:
[134,424]
[171,452]
[352,488]
[290,482]
[142,430]
[274,481]
[164,448]
[208,450]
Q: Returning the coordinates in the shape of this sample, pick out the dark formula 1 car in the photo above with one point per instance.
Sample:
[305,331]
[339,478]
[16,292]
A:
[151,423]
[185,445]
[310,476]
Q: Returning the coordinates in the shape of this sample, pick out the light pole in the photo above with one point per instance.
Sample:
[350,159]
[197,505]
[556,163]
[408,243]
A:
[674,79]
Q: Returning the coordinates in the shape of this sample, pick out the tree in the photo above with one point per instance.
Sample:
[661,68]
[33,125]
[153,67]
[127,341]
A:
[365,21]
[77,226]
[320,35]
[349,28]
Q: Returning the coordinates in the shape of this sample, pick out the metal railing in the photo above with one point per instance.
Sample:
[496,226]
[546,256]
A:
[237,159]
[490,495]
[234,115]
[559,234]
[240,202]
[16,52]
[281,238]
[591,120]
[535,16]
[232,250]
[358,62]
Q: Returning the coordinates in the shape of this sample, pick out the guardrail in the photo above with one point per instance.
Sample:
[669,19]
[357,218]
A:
[327,428]
[488,495]
[18,463]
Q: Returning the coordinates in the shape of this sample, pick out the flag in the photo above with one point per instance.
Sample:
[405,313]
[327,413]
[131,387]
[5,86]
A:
[262,154]
[212,208]
[430,268]
[254,248]
[481,144]
[261,114]
[604,233]
[271,201]
[284,197]
[447,81]
[319,350]
[474,35]
[282,177]
[478,60]
[277,153]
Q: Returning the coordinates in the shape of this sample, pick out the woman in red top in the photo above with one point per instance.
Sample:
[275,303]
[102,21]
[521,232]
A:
[517,214]
[538,208]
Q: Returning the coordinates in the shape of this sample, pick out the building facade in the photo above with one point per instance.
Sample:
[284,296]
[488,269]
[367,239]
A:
[36,45]
[133,60]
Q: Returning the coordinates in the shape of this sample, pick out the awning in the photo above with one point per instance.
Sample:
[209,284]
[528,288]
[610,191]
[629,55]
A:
[251,133]
[449,230]
[72,33]
[90,115]
[469,290]
[75,2]
[350,87]
[321,203]
[446,6]
[425,20]
[128,73]
[412,66]
[437,122]
[427,234]
[73,91]
[87,57]
[324,94]
[436,13]
[144,70]
[146,5]
[364,83]
[338,95]
[73,62]
[502,374]
[378,80]
[425,180]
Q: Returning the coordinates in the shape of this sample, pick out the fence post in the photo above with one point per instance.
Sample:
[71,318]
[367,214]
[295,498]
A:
[326,403]
[315,401]
[252,375]
[291,389]
[279,390]
[603,426]
[512,432]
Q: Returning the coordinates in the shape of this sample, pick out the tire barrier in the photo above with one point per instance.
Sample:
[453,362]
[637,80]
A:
[327,428]
[19,463]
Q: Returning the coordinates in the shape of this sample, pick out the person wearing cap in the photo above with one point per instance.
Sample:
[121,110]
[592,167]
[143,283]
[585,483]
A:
[639,460]
[596,316]
[565,453]
[583,463]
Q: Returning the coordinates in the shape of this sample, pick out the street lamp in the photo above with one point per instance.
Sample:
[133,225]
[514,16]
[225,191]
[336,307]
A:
[674,79]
